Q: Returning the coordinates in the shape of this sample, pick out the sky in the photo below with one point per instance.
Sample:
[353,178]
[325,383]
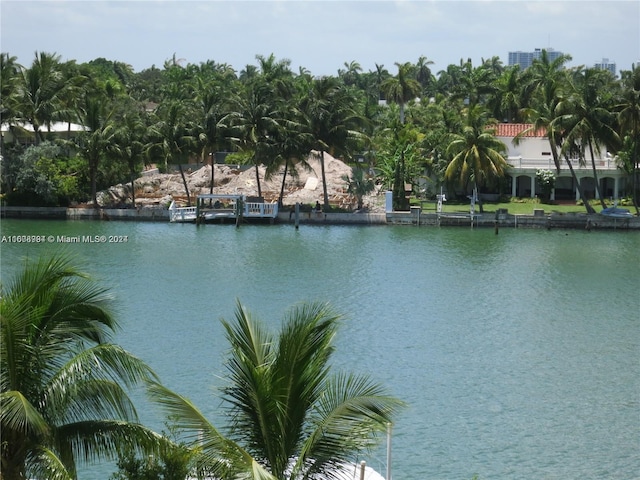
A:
[319,35]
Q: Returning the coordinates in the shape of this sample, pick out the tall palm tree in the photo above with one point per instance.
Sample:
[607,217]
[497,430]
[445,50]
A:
[547,79]
[171,137]
[290,417]
[9,70]
[129,145]
[506,100]
[330,114]
[40,91]
[402,88]
[424,75]
[586,119]
[629,120]
[63,397]
[95,114]
[255,119]
[476,154]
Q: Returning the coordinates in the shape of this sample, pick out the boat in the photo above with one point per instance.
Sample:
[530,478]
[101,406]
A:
[615,212]
[211,208]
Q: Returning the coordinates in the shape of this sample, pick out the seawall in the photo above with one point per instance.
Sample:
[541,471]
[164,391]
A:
[411,218]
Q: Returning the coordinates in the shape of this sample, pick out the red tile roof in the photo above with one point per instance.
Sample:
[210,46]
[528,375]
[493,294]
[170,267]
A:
[513,129]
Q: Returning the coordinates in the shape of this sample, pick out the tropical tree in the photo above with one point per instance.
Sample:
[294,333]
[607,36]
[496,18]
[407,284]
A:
[254,118]
[629,119]
[63,383]
[424,76]
[330,115]
[547,80]
[129,145]
[290,418]
[506,100]
[476,154]
[95,115]
[40,91]
[9,70]
[586,118]
[402,88]
[359,184]
[171,137]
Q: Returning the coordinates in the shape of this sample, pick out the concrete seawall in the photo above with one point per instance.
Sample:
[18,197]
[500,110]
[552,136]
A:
[414,217]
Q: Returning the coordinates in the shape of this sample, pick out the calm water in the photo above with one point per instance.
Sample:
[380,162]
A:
[518,354]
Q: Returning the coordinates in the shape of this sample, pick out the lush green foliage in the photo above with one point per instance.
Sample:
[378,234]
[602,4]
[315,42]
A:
[276,116]
[290,416]
[63,397]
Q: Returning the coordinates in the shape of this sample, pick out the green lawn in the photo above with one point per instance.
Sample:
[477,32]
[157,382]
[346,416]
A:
[519,207]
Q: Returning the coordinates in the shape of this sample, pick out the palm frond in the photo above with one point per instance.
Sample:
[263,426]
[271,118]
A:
[17,414]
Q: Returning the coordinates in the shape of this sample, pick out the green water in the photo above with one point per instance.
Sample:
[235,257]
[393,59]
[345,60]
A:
[518,354]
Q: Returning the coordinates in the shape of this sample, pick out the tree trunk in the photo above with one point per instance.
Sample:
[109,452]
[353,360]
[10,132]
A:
[212,176]
[132,171]
[595,176]
[635,166]
[133,191]
[184,182]
[284,178]
[554,152]
[93,173]
[324,182]
[258,180]
[587,205]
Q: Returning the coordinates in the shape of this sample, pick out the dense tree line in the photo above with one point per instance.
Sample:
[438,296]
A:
[402,123]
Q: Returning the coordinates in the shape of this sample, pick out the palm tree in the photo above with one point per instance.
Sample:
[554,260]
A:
[547,79]
[330,115]
[9,70]
[586,119]
[359,184]
[40,91]
[476,154]
[129,144]
[290,418]
[171,137]
[402,88]
[255,118]
[424,75]
[63,396]
[629,119]
[506,101]
[95,115]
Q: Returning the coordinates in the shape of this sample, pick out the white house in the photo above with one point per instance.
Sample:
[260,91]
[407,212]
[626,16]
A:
[23,132]
[533,153]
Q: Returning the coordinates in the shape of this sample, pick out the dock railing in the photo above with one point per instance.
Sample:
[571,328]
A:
[250,210]
[181,214]
[261,210]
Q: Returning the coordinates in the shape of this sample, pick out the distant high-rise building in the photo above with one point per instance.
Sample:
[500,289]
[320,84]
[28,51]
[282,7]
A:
[525,59]
[606,65]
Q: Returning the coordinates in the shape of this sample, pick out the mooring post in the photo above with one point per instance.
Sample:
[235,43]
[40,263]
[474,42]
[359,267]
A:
[297,214]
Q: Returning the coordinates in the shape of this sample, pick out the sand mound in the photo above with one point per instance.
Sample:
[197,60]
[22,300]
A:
[304,187]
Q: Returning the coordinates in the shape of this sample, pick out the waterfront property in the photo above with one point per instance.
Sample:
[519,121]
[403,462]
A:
[221,208]
[533,153]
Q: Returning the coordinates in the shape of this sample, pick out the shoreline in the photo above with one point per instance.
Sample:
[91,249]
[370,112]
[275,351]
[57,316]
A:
[409,218]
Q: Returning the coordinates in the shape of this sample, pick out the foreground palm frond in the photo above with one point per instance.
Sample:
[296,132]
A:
[63,396]
[289,417]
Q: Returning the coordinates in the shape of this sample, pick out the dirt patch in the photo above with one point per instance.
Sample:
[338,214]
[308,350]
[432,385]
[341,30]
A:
[305,187]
